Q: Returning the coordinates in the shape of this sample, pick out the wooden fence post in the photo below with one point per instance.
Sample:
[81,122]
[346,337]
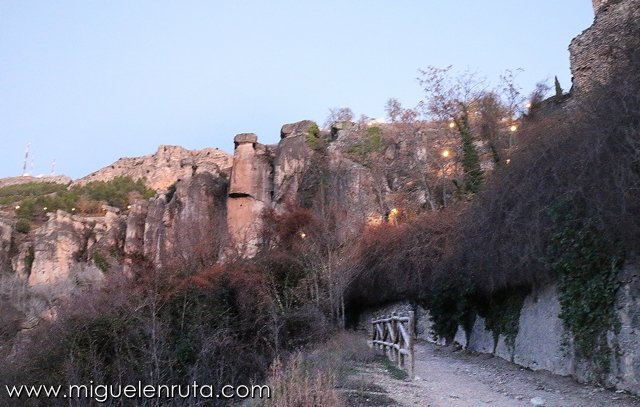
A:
[411,344]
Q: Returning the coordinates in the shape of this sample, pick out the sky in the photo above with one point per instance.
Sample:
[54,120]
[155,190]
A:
[87,82]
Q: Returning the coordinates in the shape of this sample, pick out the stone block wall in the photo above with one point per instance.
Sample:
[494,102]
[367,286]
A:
[600,47]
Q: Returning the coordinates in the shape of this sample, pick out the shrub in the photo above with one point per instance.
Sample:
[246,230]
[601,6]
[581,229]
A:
[23,226]
[115,192]
[100,261]
[313,139]
[587,155]
[369,142]
[393,263]
[293,384]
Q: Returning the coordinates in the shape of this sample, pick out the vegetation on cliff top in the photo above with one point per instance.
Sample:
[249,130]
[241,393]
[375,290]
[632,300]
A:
[33,200]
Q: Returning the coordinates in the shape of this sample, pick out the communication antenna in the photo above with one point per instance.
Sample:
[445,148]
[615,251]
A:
[26,160]
[53,167]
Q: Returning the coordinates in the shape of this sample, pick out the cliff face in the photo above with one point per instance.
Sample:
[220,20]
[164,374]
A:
[180,232]
[212,212]
[166,166]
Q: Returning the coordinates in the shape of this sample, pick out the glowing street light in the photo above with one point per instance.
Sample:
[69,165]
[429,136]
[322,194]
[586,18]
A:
[17,207]
[513,128]
[452,125]
[446,153]
[302,235]
[508,161]
[128,206]
[528,105]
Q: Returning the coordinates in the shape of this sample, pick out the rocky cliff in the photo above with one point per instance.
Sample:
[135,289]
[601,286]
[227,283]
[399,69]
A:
[166,166]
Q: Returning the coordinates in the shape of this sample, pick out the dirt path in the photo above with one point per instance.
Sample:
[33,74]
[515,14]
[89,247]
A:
[446,378]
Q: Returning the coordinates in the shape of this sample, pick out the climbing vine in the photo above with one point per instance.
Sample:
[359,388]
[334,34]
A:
[586,265]
[450,303]
[501,312]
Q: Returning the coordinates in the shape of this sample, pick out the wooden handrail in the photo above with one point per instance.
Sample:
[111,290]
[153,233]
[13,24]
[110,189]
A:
[394,335]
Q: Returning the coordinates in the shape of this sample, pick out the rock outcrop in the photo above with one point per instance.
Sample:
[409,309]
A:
[250,192]
[291,161]
[165,167]
[60,251]
[185,233]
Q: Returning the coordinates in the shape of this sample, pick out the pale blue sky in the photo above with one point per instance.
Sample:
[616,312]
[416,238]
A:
[87,82]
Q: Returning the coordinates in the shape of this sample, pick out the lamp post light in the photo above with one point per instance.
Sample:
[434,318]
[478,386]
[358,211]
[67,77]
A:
[512,130]
[445,155]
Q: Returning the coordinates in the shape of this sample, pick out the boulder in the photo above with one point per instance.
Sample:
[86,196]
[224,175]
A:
[296,129]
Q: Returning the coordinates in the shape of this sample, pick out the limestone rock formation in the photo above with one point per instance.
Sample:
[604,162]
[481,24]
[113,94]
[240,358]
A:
[191,229]
[59,246]
[250,192]
[166,166]
[296,129]
[292,159]
[182,234]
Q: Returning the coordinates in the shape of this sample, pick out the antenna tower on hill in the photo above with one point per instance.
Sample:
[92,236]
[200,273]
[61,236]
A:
[26,160]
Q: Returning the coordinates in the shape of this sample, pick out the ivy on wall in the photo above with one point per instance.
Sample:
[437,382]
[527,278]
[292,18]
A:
[586,265]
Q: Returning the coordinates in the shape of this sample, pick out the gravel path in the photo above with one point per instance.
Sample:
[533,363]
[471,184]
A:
[449,378]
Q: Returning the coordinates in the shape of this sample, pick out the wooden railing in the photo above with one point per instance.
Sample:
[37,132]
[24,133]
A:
[394,335]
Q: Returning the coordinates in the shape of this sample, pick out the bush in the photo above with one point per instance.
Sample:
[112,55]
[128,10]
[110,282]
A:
[23,226]
[313,138]
[214,327]
[100,261]
[395,263]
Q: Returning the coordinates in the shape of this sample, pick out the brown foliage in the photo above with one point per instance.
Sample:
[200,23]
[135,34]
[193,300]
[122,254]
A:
[398,262]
